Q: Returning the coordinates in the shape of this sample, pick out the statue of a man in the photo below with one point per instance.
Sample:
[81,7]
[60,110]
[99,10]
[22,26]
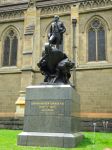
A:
[57,29]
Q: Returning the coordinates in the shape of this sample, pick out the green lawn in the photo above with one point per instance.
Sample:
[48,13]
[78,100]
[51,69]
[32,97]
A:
[8,139]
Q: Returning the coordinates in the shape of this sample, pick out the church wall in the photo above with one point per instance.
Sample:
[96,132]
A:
[93,79]
[9,92]
[95,91]
[10,77]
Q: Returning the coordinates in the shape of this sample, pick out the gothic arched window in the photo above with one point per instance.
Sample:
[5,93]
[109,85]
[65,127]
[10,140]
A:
[96,41]
[10,47]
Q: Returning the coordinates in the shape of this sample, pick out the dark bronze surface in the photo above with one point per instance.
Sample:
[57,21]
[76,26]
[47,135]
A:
[54,64]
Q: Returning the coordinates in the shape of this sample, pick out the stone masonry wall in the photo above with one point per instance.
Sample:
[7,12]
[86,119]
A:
[94,87]
[9,92]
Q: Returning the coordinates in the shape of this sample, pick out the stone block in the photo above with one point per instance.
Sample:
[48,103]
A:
[51,117]
[53,92]
[47,124]
[49,139]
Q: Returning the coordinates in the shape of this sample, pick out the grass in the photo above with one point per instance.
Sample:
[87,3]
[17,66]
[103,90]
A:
[8,140]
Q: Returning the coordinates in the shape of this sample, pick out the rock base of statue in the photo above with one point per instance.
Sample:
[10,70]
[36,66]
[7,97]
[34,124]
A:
[51,117]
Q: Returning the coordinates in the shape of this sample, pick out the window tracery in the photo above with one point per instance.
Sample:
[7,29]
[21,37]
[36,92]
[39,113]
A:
[10,46]
[96,41]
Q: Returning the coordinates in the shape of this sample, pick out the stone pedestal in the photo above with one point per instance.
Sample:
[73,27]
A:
[51,117]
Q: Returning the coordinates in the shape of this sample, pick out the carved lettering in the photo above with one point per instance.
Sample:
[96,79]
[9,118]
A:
[49,106]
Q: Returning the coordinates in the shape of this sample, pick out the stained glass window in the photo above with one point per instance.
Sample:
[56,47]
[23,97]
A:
[101,44]
[6,51]
[91,45]
[10,49]
[96,41]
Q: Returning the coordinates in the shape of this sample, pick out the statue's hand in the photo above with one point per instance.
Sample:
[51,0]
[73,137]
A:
[49,35]
[61,29]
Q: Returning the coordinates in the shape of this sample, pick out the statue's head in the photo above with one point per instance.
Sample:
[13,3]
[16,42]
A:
[56,18]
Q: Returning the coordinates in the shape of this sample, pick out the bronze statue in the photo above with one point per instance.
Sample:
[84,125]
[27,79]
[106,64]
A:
[54,64]
[57,29]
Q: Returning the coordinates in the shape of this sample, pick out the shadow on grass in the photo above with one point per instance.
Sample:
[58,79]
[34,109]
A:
[85,142]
